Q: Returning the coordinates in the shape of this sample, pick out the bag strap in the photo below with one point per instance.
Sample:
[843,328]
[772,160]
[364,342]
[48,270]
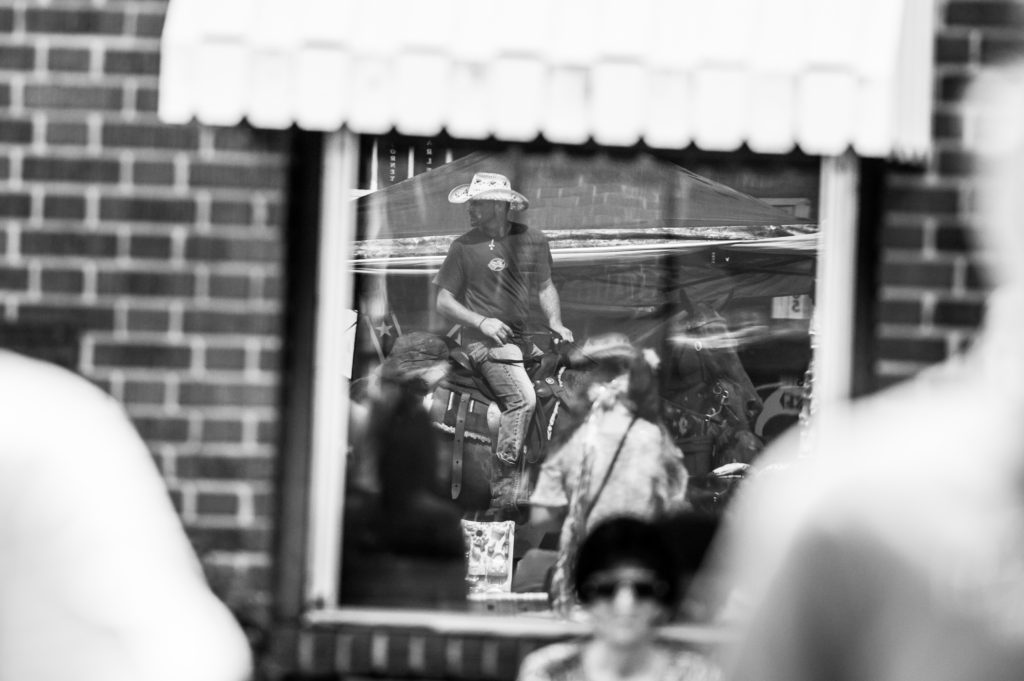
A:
[611,466]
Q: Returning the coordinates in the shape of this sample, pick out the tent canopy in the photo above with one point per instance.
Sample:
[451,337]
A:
[575,194]
[607,217]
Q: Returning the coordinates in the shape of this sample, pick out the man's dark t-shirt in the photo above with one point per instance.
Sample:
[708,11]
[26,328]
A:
[501,282]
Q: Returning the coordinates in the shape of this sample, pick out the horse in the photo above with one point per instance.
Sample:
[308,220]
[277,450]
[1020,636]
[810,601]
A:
[714,405]
[709,408]
[463,408]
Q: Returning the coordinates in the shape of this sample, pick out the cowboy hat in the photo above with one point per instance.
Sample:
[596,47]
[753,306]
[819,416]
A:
[491,187]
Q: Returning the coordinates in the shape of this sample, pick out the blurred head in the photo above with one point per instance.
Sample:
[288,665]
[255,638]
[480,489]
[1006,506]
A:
[625,576]
[612,358]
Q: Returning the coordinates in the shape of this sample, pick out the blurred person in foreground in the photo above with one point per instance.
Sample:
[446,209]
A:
[98,581]
[895,548]
[621,460]
[629,582]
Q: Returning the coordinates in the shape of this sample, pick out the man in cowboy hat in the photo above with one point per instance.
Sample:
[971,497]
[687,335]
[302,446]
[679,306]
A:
[489,279]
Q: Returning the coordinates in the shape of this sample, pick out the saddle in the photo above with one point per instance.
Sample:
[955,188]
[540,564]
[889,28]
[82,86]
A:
[462,400]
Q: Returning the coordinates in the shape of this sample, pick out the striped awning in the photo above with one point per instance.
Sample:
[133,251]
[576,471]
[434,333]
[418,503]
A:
[821,75]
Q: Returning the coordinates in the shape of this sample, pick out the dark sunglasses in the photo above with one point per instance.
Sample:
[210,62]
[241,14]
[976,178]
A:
[642,588]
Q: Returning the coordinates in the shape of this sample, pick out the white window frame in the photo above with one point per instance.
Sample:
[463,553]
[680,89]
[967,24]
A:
[334,342]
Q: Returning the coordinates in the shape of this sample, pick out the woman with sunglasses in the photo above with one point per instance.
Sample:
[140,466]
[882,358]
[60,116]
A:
[629,584]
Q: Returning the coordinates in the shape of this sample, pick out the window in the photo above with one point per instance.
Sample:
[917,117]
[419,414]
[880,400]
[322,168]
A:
[709,260]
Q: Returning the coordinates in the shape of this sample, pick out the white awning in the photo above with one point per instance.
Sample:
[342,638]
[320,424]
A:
[823,75]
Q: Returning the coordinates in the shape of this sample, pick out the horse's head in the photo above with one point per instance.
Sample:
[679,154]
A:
[706,359]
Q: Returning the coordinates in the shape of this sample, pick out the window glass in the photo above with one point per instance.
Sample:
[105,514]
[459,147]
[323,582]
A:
[698,264]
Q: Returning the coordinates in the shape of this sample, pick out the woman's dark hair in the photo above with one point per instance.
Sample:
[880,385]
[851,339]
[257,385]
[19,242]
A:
[627,540]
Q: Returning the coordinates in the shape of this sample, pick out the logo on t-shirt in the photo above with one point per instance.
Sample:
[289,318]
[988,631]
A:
[496,264]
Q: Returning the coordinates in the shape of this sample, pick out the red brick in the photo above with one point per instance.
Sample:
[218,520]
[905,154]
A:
[143,355]
[62,280]
[997,50]
[13,278]
[220,394]
[61,59]
[155,173]
[272,288]
[17,58]
[132,62]
[149,25]
[977,278]
[245,138]
[162,428]
[230,538]
[225,359]
[70,169]
[75,134]
[952,49]
[240,249]
[5,94]
[952,87]
[263,505]
[222,430]
[146,100]
[917,274]
[231,213]
[69,97]
[177,498]
[139,391]
[985,14]
[217,503]
[150,136]
[236,322]
[148,210]
[252,468]
[948,125]
[900,312]
[229,286]
[6,19]
[923,199]
[142,283]
[73,21]
[959,313]
[76,243]
[83,316]
[903,237]
[15,205]
[16,131]
[245,176]
[267,432]
[953,238]
[150,246]
[148,320]
[928,350]
[63,207]
[955,163]
[270,360]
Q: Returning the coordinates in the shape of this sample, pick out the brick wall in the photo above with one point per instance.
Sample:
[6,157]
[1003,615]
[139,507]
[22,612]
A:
[157,250]
[931,288]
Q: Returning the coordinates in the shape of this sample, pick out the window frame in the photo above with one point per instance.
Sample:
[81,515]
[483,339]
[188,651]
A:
[320,303]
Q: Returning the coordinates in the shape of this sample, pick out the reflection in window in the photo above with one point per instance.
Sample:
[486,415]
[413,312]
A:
[667,256]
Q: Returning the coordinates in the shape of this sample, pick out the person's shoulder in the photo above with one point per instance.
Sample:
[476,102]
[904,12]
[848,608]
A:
[687,663]
[551,662]
[525,231]
[31,384]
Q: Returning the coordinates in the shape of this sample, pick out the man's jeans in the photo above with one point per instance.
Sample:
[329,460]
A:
[503,369]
